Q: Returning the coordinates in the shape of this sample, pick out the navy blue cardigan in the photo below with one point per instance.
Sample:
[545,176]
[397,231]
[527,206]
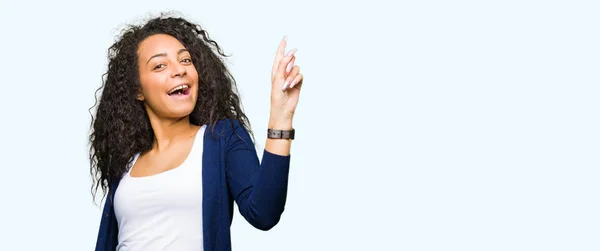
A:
[231,171]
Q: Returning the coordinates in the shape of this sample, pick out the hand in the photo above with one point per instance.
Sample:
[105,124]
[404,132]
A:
[286,81]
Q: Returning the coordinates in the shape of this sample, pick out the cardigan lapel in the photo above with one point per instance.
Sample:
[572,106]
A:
[109,230]
[210,181]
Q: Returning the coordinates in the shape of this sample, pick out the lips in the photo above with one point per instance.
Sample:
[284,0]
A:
[183,89]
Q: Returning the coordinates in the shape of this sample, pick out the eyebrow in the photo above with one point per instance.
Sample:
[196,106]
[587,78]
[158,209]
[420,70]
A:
[165,54]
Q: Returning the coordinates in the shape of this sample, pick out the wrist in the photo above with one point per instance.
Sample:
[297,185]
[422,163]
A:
[280,124]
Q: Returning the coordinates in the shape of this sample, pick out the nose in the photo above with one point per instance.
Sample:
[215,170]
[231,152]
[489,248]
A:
[178,70]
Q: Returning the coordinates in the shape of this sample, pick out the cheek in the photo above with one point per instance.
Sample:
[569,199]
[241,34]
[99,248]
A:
[153,85]
[192,73]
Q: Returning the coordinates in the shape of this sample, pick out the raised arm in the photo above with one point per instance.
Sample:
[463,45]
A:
[260,188]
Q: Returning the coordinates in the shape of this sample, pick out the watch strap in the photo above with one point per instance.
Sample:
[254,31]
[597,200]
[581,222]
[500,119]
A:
[280,134]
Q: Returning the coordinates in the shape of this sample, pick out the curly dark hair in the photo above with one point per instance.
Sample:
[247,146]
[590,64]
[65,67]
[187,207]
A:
[121,127]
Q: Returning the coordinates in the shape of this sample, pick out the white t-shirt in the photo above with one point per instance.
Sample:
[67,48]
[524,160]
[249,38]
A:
[162,211]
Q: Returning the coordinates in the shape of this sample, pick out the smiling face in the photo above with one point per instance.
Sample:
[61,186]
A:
[169,80]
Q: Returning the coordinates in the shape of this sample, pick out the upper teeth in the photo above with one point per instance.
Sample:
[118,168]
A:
[181,87]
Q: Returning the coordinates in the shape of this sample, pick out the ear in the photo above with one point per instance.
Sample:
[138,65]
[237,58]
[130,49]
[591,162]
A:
[140,96]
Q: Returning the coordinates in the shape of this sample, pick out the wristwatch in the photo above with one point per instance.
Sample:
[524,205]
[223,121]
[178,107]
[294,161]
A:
[280,134]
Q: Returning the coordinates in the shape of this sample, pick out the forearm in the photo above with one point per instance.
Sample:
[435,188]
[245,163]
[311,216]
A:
[279,146]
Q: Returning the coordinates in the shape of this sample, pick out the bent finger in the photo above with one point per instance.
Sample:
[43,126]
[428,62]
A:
[283,63]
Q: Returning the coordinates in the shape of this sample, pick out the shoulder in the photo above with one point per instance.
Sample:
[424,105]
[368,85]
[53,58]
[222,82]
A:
[225,128]
[227,134]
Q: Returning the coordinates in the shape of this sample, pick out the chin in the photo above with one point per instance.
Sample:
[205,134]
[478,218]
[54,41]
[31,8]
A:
[183,112]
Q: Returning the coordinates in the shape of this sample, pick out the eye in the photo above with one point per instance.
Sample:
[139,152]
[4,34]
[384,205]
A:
[159,66]
[186,60]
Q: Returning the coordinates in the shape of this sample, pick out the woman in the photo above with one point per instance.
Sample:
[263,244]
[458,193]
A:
[171,145]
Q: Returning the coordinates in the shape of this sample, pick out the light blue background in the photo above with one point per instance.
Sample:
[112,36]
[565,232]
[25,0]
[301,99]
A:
[423,125]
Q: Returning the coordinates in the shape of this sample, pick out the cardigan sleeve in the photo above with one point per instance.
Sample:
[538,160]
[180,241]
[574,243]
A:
[259,188]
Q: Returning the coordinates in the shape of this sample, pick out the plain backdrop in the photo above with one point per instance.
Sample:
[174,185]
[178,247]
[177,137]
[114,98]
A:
[422,125]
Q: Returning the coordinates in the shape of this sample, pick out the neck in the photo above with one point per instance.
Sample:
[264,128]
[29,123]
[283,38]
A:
[167,131]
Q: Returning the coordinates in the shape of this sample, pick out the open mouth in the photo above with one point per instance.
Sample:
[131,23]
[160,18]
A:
[180,90]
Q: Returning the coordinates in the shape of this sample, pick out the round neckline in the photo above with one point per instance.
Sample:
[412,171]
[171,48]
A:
[191,153]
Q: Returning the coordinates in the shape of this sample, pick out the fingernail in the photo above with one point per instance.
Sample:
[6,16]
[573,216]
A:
[287,82]
[289,67]
[292,51]
[285,37]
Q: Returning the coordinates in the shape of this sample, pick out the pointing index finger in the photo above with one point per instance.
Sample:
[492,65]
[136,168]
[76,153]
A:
[279,54]
[281,48]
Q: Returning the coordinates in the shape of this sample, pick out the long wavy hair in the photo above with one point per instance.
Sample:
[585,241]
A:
[121,127]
